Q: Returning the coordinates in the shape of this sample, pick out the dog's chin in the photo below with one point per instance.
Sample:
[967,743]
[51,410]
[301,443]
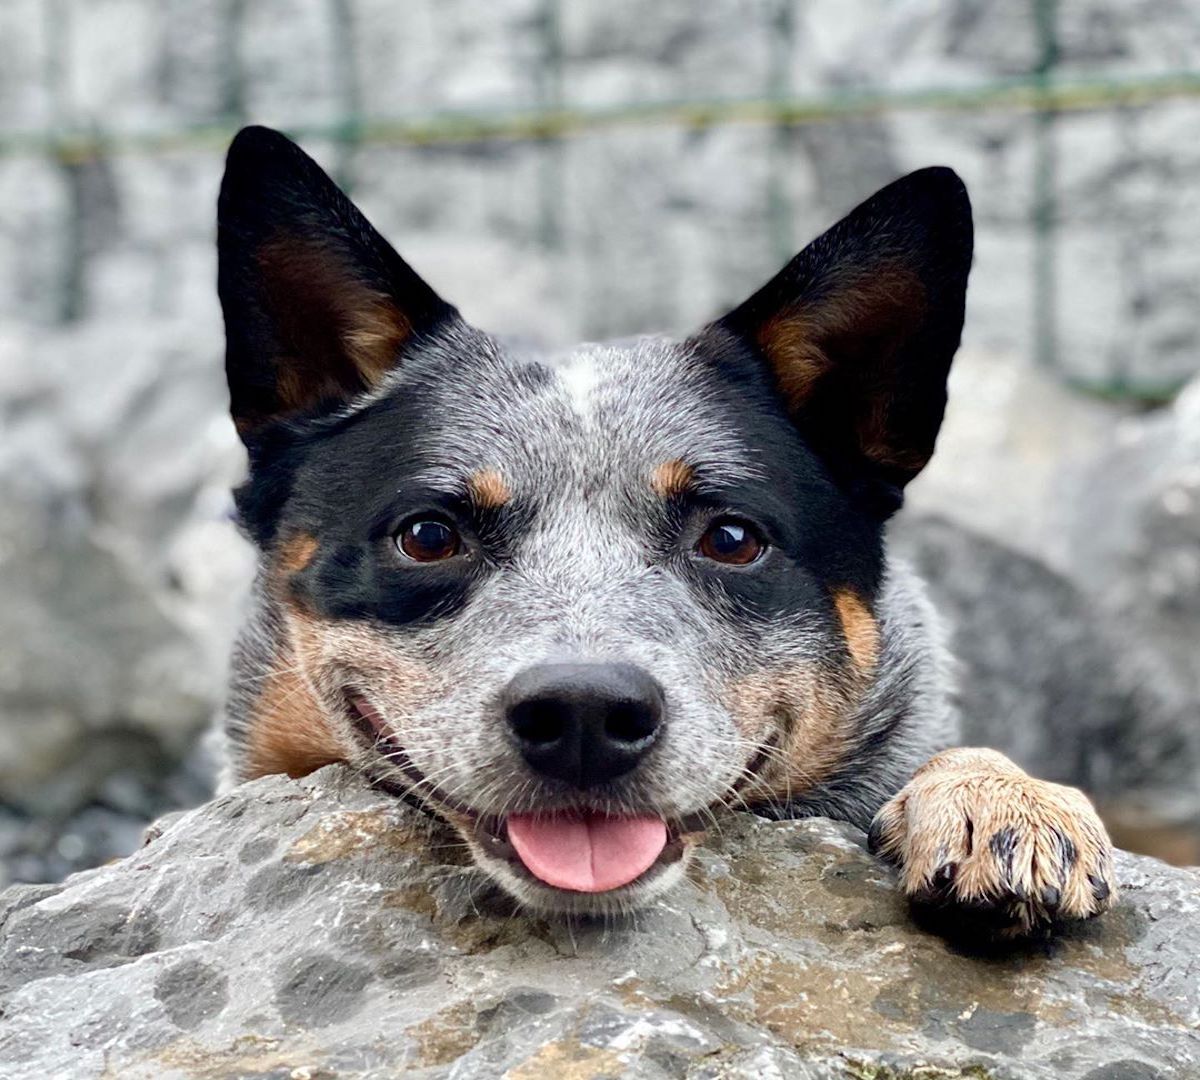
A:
[486,835]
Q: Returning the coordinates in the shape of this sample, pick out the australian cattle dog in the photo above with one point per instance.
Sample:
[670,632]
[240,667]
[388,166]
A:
[576,602]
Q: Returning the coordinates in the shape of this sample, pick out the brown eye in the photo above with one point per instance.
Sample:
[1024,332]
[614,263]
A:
[428,540]
[731,541]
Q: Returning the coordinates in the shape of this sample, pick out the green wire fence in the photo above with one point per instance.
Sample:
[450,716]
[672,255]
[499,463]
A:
[1043,92]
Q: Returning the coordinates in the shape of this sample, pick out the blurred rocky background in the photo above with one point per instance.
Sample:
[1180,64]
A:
[584,170]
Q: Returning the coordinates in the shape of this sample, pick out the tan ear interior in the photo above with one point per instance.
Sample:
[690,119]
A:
[342,336]
[791,343]
[855,325]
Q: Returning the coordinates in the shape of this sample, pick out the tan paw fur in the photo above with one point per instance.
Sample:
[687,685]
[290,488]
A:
[972,831]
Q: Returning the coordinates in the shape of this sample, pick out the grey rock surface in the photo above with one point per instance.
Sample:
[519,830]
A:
[1130,520]
[121,578]
[1011,434]
[316,928]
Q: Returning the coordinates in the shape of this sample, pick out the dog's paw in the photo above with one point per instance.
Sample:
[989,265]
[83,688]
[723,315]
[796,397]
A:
[988,846]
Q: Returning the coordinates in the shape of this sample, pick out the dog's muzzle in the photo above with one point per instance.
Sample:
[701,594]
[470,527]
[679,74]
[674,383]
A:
[585,725]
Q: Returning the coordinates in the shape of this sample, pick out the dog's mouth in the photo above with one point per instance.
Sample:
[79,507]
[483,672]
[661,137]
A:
[571,849]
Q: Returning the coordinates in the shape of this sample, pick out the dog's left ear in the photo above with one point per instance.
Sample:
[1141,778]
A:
[318,306]
[859,329]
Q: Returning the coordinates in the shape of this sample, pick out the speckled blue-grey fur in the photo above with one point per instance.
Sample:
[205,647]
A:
[579,492]
[577,435]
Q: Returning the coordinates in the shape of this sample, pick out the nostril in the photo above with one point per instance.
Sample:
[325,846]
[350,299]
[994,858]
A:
[538,723]
[629,722]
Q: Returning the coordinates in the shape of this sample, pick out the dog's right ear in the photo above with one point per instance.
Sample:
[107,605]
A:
[857,332]
[318,306]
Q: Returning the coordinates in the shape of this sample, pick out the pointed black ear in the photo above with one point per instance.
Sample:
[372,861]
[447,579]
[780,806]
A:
[859,329]
[317,304]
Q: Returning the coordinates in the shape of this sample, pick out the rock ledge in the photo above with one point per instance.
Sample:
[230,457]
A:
[307,929]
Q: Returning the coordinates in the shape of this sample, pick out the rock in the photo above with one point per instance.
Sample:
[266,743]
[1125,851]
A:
[71,607]
[122,577]
[1130,528]
[115,472]
[109,810]
[316,928]
[1011,429]
[1128,534]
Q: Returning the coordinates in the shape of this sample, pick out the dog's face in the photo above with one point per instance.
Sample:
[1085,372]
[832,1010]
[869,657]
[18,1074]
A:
[573,602]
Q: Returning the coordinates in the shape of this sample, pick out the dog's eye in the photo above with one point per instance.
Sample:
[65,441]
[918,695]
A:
[427,540]
[729,540]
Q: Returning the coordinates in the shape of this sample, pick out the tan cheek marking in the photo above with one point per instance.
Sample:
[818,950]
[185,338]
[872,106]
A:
[489,489]
[672,477]
[805,711]
[859,627]
[287,731]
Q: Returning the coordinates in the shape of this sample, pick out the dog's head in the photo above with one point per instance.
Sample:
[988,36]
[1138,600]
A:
[574,602]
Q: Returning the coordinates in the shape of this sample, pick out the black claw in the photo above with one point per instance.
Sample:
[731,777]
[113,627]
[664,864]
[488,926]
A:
[979,926]
[1003,845]
[944,875]
[1100,887]
[875,836]
[1051,896]
[1068,853]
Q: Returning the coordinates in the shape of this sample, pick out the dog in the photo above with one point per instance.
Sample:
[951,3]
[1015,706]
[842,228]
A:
[575,603]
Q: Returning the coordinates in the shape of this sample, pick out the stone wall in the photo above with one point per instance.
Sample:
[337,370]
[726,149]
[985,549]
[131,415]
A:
[629,227]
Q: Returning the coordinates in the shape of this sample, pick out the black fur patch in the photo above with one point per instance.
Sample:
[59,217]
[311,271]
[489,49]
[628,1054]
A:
[316,302]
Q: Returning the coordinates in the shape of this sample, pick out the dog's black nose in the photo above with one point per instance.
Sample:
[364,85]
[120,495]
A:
[584,723]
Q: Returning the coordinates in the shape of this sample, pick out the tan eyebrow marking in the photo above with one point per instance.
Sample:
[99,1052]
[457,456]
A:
[672,477]
[859,627]
[489,489]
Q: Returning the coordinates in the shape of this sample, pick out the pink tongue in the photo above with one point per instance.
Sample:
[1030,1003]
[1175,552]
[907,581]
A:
[588,853]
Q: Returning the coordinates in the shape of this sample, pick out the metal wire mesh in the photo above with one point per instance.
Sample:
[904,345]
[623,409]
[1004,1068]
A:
[549,120]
